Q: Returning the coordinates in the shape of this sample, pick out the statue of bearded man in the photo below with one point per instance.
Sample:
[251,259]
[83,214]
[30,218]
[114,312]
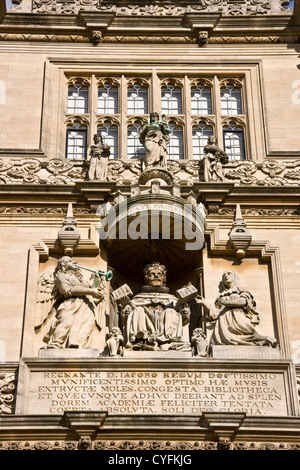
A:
[155,319]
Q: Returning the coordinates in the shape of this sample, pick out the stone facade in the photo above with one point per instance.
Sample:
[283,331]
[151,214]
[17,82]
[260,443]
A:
[153,307]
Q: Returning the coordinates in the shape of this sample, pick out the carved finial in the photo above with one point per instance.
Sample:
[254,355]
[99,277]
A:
[239,236]
[69,234]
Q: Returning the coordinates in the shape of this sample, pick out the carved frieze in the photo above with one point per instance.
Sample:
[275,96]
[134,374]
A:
[222,444]
[176,39]
[269,172]
[156,8]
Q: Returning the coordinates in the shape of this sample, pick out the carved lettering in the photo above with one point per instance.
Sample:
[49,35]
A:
[157,392]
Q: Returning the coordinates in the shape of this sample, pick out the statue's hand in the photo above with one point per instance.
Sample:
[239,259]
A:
[220,302]
[97,293]
[201,301]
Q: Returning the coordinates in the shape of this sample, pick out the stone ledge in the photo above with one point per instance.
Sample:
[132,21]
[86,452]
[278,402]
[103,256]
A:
[68,353]
[157,354]
[245,352]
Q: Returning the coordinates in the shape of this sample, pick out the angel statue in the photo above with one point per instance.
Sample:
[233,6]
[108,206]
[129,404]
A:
[75,307]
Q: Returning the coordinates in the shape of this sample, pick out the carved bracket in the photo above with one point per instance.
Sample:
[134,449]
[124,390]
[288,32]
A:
[86,424]
[224,425]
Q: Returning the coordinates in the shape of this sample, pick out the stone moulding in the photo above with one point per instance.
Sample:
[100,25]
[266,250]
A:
[151,39]
[148,444]
[104,21]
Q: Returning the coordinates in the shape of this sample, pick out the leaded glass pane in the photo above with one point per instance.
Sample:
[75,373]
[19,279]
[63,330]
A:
[171,100]
[234,143]
[201,100]
[76,144]
[78,99]
[134,147]
[200,137]
[110,137]
[137,100]
[231,100]
[175,147]
[108,100]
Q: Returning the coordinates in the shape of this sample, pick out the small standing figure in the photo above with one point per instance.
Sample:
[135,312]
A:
[99,154]
[199,342]
[155,137]
[214,159]
[114,341]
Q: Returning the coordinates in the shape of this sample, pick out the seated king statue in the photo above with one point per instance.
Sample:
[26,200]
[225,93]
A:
[154,319]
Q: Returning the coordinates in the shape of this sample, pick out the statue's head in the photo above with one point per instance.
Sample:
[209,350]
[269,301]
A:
[98,138]
[115,331]
[65,263]
[154,117]
[212,139]
[229,278]
[155,274]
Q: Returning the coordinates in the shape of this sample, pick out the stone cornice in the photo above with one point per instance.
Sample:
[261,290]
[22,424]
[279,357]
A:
[180,22]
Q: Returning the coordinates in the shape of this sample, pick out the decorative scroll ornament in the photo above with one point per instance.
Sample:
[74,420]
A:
[7,392]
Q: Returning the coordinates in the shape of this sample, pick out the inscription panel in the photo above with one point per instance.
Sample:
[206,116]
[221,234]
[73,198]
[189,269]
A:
[157,392]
